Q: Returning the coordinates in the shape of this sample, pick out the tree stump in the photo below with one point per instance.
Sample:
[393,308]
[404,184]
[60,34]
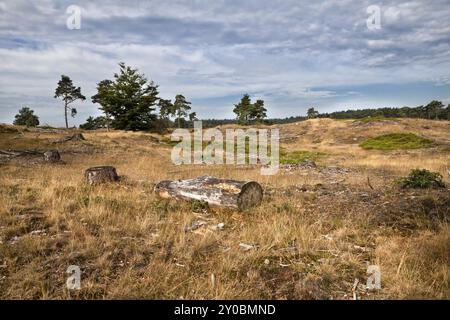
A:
[77,137]
[52,156]
[96,175]
[74,137]
[216,192]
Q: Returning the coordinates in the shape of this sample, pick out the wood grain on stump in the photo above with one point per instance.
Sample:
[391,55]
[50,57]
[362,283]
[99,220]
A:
[96,175]
[52,156]
[225,193]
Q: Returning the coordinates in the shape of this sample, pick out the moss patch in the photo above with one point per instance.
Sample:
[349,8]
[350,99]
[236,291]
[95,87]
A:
[374,119]
[298,156]
[397,141]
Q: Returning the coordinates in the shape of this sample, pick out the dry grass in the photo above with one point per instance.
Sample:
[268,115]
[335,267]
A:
[310,245]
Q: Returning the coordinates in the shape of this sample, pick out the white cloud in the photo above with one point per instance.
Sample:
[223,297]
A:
[290,52]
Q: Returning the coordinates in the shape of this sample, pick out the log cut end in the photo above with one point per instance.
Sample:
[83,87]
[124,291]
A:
[101,174]
[250,196]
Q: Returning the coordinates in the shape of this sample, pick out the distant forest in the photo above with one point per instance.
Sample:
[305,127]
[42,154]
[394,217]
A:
[435,110]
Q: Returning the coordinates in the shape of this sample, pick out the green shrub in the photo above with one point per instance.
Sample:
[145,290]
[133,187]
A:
[297,156]
[373,119]
[422,178]
[397,141]
[26,117]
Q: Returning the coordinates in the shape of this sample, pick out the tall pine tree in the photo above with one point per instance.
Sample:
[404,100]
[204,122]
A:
[181,107]
[69,93]
[129,99]
[243,109]
[246,111]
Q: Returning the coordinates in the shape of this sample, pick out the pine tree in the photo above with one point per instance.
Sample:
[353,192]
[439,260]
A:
[94,123]
[166,109]
[433,109]
[129,100]
[258,112]
[243,109]
[26,117]
[246,111]
[312,113]
[192,118]
[69,93]
[181,107]
[102,91]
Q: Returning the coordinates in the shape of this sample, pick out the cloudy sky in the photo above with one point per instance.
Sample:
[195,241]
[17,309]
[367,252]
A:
[293,54]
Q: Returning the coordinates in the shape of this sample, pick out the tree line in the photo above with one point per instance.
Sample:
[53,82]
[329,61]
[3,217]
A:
[434,110]
[130,101]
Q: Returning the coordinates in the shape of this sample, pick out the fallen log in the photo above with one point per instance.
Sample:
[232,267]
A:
[18,153]
[226,193]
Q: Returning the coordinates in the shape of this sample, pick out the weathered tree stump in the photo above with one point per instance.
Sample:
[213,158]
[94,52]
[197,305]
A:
[52,156]
[96,175]
[74,137]
[216,192]
[77,137]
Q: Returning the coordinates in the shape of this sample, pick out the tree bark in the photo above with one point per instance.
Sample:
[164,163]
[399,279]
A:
[107,121]
[18,153]
[65,114]
[225,193]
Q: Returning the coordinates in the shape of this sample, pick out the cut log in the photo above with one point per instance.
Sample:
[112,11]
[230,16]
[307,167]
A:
[18,153]
[96,175]
[52,156]
[216,192]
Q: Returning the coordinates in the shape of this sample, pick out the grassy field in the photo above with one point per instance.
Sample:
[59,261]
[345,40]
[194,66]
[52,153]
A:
[316,231]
